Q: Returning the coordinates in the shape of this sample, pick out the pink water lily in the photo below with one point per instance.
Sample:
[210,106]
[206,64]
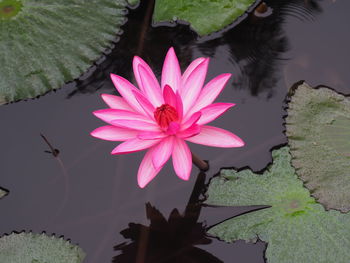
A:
[161,118]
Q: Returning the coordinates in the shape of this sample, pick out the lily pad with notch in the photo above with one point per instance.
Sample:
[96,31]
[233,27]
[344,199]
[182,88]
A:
[295,226]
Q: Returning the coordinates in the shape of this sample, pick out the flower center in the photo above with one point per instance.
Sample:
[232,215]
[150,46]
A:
[165,114]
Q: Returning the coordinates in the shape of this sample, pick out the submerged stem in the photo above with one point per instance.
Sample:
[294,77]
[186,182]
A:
[202,165]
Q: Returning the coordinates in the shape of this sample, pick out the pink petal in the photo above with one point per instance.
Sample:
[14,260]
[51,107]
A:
[134,145]
[111,133]
[146,170]
[216,137]
[169,96]
[136,125]
[151,87]
[162,152]
[171,73]
[173,100]
[173,128]
[109,115]
[190,68]
[213,111]
[209,93]
[125,89]
[192,120]
[179,105]
[191,131]
[144,103]
[182,159]
[151,135]
[116,102]
[137,61]
[191,89]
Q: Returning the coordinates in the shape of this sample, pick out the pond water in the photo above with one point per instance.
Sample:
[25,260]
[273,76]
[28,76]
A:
[91,197]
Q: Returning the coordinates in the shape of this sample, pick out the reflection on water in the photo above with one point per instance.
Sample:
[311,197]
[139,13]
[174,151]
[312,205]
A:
[258,45]
[254,50]
[168,240]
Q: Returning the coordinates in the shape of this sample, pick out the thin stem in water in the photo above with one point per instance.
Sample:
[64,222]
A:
[202,165]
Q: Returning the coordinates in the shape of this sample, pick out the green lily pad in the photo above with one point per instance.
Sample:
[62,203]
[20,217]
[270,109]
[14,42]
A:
[46,43]
[133,2]
[338,135]
[38,248]
[318,130]
[296,228]
[3,192]
[205,16]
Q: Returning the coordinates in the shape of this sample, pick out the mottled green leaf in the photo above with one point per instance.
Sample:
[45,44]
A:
[318,130]
[296,228]
[205,16]
[45,43]
[38,248]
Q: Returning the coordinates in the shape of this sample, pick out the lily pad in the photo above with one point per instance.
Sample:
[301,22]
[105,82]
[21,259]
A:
[205,16]
[46,43]
[338,134]
[133,2]
[318,130]
[38,248]
[296,228]
[2,192]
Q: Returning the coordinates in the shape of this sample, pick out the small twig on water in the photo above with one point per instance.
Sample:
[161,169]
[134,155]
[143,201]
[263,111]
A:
[65,176]
[53,151]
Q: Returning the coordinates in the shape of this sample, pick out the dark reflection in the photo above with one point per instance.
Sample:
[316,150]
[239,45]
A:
[168,240]
[255,47]
[253,50]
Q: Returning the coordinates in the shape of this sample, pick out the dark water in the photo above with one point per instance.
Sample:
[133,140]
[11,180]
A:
[90,196]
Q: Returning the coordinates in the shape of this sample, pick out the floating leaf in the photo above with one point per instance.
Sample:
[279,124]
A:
[318,130]
[338,135]
[205,16]
[38,248]
[296,228]
[45,43]
[133,2]
[2,192]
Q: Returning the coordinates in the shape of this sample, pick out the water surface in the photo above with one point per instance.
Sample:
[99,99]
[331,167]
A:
[90,196]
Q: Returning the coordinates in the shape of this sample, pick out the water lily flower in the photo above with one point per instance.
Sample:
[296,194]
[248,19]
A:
[162,117]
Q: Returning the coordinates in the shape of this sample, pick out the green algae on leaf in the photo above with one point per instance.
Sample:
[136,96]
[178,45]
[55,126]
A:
[296,228]
[318,130]
[205,16]
[38,248]
[46,43]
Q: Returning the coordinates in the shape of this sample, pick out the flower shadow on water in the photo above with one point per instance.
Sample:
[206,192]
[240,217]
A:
[168,240]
